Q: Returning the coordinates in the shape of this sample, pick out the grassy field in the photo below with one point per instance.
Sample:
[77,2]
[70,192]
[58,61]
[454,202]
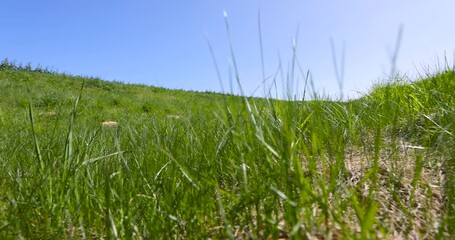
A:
[85,158]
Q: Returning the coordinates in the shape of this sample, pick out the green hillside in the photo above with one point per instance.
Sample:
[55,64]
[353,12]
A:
[85,158]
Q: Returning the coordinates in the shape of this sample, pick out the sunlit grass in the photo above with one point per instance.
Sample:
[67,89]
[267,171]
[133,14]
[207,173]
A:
[122,161]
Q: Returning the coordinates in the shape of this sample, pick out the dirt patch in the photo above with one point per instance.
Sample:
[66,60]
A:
[408,187]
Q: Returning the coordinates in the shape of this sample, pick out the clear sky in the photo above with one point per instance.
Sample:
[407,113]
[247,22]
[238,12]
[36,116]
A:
[163,43]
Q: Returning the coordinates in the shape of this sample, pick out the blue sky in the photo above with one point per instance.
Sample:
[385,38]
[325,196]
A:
[163,43]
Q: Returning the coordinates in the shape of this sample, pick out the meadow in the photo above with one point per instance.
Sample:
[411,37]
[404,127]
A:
[175,164]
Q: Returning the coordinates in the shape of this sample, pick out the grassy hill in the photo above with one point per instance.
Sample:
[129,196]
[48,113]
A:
[86,158]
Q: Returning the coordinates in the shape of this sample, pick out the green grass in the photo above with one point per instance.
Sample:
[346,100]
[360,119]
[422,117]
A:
[204,165]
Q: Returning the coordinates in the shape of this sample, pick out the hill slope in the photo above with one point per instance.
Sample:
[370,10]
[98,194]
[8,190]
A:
[181,164]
